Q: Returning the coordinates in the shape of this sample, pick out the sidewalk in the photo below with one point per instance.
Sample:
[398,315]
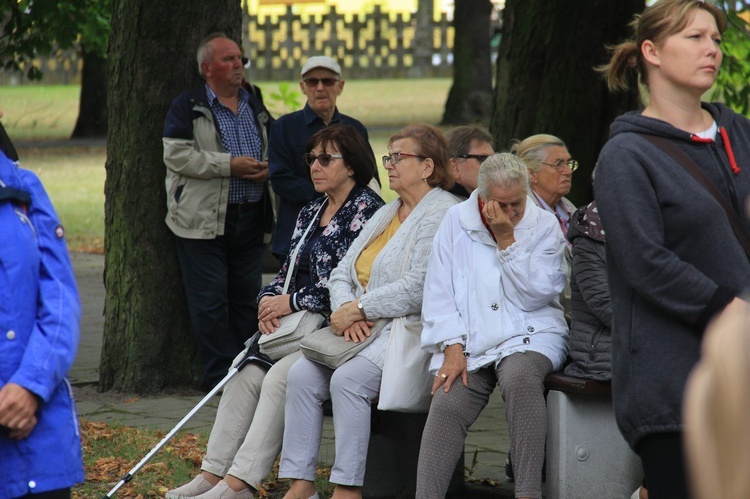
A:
[488,437]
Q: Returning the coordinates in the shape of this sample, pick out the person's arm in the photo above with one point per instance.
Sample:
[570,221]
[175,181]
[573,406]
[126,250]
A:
[590,272]
[442,322]
[340,286]
[54,340]
[533,269]
[283,166]
[180,154]
[629,208]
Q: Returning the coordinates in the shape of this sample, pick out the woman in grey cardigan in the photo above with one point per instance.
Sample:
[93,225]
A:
[381,277]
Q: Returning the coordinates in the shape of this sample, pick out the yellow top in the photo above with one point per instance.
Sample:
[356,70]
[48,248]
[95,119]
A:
[364,262]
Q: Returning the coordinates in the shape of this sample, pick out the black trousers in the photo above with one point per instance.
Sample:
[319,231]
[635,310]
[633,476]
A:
[663,459]
[52,494]
[222,278]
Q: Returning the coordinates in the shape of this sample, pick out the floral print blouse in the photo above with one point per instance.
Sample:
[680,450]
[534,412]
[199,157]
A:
[327,251]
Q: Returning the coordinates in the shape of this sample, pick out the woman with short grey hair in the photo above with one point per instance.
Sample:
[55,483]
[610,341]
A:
[491,315]
[502,169]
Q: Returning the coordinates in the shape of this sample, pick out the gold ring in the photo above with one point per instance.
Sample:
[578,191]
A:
[443,375]
[268,309]
[490,218]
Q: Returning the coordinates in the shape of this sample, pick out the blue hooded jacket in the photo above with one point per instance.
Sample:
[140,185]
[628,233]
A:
[39,330]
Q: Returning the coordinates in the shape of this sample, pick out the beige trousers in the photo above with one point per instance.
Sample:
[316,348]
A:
[249,426]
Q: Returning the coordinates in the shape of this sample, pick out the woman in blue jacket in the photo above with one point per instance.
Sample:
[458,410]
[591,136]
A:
[40,447]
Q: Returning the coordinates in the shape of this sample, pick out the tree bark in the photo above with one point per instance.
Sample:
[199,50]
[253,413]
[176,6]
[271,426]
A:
[470,96]
[545,77]
[92,111]
[148,343]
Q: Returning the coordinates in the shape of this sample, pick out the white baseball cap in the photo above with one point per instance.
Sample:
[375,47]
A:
[321,61]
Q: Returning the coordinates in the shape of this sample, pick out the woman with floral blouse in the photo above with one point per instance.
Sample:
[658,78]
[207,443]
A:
[247,434]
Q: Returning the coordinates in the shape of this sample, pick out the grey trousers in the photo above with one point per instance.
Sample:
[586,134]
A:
[521,380]
[246,436]
[352,388]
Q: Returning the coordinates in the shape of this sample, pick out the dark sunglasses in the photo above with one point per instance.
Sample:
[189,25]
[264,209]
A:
[313,82]
[478,157]
[324,159]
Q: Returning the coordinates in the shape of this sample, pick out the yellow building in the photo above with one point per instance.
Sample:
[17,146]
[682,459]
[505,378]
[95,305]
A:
[264,8]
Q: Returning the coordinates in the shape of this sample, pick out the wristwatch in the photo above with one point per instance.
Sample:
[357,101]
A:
[361,309]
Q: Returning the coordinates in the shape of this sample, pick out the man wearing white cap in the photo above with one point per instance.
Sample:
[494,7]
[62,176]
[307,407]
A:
[322,83]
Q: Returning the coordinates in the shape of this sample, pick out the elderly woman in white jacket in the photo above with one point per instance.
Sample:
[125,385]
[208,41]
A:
[491,314]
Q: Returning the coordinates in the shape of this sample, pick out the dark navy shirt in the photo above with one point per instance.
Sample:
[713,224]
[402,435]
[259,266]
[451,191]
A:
[290,177]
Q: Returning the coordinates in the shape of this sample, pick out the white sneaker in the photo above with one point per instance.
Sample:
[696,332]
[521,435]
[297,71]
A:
[224,491]
[199,485]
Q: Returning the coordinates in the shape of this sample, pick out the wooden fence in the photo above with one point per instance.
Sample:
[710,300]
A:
[377,44]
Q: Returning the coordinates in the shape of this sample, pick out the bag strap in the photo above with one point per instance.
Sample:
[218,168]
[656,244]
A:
[692,167]
[299,247]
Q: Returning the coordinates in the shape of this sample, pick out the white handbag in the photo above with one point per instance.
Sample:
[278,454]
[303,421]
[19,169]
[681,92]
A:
[406,381]
[286,338]
[295,326]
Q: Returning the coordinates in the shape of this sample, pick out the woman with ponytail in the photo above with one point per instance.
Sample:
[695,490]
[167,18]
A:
[674,259]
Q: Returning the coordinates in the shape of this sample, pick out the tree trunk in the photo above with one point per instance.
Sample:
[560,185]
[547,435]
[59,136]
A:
[423,42]
[470,96]
[92,112]
[545,77]
[148,343]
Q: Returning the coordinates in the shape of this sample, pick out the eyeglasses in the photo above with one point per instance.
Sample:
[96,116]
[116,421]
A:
[327,82]
[395,157]
[478,157]
[561,163]
[324,159]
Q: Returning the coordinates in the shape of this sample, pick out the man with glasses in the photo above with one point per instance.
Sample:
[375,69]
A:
[321,83]
[469,146]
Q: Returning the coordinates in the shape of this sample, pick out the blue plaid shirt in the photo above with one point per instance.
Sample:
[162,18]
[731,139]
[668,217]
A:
[240,137]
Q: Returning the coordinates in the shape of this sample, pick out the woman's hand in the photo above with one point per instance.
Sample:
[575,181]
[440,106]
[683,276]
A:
[345,316]
[454,365]
[501,225]
[17,410]
[270,308]
[359,331]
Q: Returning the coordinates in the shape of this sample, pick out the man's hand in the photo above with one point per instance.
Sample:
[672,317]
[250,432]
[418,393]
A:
[17,410]
[248,168]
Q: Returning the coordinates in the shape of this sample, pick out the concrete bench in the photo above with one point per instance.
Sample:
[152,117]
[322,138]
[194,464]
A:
[393,454]
[587,456]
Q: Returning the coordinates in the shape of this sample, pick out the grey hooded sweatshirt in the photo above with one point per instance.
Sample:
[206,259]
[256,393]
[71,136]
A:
[673,260]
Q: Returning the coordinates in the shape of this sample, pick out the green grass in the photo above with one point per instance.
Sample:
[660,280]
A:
[74,176]
[39,112]
[74,179]
[112,450]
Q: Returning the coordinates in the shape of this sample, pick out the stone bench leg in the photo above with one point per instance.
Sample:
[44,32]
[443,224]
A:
[587,457]
[393,454]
